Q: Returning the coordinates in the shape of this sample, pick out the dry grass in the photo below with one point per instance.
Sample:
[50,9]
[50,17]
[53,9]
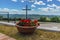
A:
[38,35]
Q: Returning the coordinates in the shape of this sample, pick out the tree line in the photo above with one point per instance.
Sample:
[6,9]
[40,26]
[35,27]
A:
[41,19]
[11,19]
[48,19]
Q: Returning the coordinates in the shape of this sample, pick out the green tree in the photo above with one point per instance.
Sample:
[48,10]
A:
[1,17]
[55,19]
[44,19]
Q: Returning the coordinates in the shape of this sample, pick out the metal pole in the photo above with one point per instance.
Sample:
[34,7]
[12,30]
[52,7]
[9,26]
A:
[8,16]
[15,20]
[26,11]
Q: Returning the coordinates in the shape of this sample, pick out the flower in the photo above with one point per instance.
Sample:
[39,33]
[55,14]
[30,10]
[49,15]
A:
[35,21]
[27,22]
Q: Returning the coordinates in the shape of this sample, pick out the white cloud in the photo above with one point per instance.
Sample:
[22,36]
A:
[49,10]
[33,5]
[53,5]
[39,3]
[44,9]
[23,8]
[4,9]
[39,8]
[22,1]
[49,0]
[49,5]
[58,7]
[14,10]
[11,11]
[14,0]
[32,10]
[28,0]
[58,0]
[31,0]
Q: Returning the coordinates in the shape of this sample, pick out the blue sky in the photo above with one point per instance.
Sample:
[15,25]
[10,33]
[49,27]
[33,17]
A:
[42,7]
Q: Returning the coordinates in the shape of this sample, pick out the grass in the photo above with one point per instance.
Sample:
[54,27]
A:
[38,35]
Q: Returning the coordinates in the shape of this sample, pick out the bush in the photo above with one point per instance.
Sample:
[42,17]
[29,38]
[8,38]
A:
[11,19]
[44,19]
[55,19]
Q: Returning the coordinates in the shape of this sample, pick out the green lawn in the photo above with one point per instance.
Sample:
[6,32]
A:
[38,35]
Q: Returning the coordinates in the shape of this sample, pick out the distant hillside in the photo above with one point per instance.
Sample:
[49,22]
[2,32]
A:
[31,16]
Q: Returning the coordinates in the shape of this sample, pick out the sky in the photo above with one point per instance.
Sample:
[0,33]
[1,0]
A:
[41,7]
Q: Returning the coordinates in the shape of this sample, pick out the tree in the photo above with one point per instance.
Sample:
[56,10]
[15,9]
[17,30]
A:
[55,19]
[43,19]
[1,17]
